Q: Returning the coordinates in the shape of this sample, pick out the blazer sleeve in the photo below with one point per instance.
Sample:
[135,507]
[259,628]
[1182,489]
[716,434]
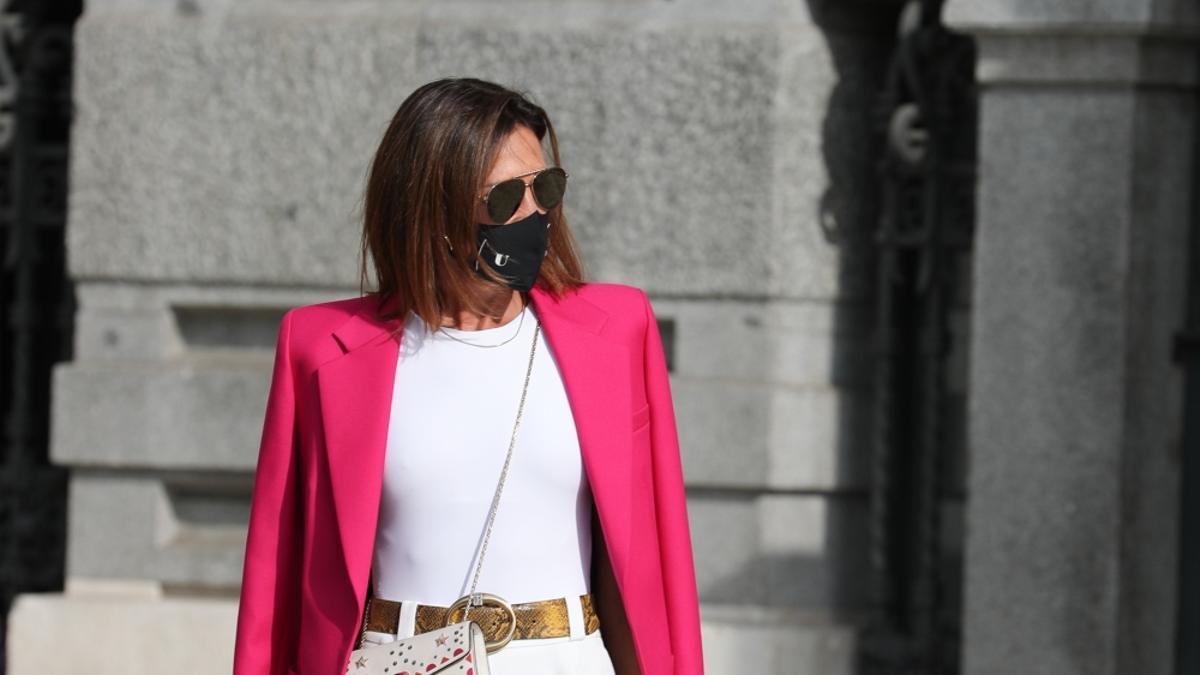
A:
[670,504]
[267,619]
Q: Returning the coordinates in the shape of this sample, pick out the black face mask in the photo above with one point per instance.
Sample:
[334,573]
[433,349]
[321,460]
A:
[516,250]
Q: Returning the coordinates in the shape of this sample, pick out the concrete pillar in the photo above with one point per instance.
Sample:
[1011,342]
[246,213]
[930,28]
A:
[1088,119]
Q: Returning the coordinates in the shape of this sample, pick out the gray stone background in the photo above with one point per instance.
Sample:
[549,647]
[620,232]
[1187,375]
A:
[218,157]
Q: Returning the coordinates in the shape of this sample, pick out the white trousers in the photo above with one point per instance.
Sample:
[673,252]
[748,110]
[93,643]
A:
[579,653]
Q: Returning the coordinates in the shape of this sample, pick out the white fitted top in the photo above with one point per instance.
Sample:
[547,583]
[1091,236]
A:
[453,408]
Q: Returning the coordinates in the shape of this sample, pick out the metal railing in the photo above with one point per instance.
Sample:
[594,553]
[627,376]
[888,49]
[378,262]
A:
[35,115]
[1187,355]
[928,174]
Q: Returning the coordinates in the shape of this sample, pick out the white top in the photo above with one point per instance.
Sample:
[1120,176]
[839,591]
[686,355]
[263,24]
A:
[453,408]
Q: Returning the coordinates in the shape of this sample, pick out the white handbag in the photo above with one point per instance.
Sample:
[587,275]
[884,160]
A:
[459,648]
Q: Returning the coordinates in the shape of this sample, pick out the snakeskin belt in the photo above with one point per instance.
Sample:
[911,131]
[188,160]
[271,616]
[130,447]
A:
[540,619]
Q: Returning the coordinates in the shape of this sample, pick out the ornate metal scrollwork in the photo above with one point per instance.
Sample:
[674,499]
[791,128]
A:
[927,171]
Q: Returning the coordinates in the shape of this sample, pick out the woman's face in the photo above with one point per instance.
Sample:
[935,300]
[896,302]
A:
[520,153]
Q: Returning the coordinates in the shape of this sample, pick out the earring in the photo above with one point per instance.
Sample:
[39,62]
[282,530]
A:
[448,243]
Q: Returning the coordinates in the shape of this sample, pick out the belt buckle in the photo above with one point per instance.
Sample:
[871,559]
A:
[480,600]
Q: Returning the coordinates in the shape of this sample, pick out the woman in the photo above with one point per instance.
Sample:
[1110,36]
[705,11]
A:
[389,416]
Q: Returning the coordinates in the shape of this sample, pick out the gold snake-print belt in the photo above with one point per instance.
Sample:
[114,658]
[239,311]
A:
[539,619]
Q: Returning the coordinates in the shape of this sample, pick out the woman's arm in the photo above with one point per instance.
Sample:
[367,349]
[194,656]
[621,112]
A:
[670,505]
[267,611]
[606,596]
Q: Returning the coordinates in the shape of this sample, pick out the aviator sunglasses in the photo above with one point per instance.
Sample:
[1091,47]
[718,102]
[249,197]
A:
[504,198]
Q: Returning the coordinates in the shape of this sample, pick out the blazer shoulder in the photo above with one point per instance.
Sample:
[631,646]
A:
[627,307]
[310,327]
[614,298]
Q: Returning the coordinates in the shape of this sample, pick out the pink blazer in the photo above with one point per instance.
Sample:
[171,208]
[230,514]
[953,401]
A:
[320,466]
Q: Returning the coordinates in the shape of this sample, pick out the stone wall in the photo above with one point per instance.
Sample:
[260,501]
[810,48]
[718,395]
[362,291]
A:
[218,157]
[719,159]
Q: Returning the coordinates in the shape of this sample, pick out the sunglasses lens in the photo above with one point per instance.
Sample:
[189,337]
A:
[504,199]
[549,186]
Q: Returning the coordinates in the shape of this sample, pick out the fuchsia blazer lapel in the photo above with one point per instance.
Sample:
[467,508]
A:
[637,487]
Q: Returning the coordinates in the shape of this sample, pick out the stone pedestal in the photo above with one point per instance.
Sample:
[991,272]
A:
[120,627]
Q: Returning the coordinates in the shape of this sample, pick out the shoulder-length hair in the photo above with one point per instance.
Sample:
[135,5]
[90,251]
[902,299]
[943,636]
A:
[419,225]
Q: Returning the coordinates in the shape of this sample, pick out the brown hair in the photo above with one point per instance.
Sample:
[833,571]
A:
[424,183]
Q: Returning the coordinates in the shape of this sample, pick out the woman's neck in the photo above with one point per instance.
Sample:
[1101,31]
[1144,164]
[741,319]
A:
[505,312]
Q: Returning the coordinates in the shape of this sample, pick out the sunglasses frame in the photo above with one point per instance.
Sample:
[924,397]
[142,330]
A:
[528,186]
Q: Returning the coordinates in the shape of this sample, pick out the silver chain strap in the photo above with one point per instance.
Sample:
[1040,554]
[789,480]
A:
[503,474]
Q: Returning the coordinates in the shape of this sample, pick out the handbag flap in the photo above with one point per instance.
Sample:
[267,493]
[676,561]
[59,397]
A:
[455,649]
